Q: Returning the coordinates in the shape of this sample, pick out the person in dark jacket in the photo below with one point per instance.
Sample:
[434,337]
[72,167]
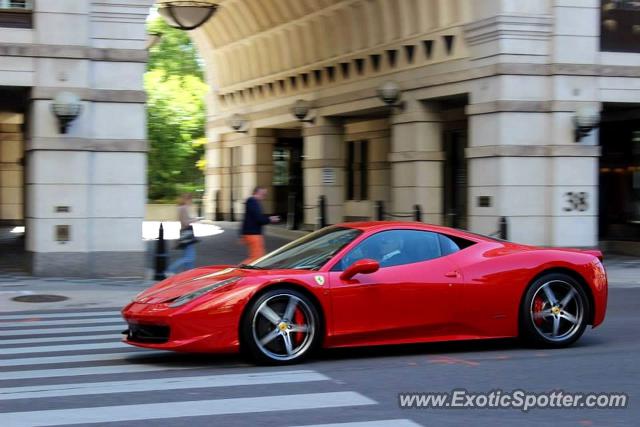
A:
[252,225]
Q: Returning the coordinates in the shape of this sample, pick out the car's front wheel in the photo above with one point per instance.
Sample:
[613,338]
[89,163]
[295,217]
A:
[554,311]
[282,326]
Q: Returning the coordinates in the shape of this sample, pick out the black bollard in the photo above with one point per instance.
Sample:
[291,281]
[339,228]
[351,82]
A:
[417,213]
[161,256]
[379,210]
[504,227]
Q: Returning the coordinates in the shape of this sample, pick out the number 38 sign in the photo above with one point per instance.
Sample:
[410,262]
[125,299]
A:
[576,201]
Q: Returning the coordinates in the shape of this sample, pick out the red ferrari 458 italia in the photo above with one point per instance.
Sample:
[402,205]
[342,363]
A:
[373,283]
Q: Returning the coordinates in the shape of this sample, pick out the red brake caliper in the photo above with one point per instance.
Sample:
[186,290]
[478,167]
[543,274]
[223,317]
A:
[538,306]
[298,319]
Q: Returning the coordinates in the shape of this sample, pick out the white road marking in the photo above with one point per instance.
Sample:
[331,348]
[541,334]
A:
[52,331]
[59,315]
[380,423]
[69,347]
[228,380]
[243,405]
[29,324]
[91,370]
[113,336]
[123,356]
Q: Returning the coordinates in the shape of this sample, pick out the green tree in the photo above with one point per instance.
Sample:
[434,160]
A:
[175,114]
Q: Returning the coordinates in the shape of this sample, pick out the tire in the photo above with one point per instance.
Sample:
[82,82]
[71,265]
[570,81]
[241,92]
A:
[555,311]
[281,327]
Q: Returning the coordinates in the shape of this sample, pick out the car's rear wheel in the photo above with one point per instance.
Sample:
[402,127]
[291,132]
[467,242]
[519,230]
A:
[554,312]
[282,326]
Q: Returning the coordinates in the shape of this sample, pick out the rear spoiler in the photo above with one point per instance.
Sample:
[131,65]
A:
[595,252]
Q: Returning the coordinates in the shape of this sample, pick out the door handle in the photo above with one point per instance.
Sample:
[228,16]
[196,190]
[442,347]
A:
[452,274]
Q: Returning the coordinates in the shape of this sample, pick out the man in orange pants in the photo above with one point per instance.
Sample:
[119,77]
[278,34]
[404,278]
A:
[252,225]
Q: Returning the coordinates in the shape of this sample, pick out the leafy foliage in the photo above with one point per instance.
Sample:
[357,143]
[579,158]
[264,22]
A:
[175,114]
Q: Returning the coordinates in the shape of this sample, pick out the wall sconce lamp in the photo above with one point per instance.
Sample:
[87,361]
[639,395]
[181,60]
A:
[238,123]
[66,107]
[585,120]
[300,110]
[390,93]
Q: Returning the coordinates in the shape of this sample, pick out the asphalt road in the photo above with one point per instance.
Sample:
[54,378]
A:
[70,368]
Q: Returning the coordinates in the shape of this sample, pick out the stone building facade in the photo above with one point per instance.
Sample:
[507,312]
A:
[79,194]
[485,127]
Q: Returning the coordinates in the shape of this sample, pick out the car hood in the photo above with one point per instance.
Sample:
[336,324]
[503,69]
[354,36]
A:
[190,281]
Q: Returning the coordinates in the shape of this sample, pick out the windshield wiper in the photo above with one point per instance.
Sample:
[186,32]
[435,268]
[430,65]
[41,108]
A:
[249,267]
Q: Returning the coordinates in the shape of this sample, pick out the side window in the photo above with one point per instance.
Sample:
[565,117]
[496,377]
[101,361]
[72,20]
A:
[451,244]
[448,245]
[394,247]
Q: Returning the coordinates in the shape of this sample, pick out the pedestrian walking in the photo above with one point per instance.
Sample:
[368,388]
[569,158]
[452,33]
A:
[252,225]
[187,239]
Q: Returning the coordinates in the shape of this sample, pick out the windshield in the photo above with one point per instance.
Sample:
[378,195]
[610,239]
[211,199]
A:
[310,252]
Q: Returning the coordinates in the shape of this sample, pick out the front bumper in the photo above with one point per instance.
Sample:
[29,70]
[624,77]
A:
[159,326]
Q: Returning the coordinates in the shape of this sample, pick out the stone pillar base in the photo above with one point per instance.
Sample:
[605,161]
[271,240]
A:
[88,264]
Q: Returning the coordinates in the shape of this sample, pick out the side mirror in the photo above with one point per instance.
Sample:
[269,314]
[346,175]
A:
[363,266]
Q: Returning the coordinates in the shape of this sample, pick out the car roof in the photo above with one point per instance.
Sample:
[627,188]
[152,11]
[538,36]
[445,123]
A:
[385,225]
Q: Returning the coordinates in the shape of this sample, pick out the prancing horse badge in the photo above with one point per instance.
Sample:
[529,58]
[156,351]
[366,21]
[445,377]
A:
[320,280]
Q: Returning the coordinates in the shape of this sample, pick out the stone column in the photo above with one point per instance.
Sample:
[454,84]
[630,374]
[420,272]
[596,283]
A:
[11,169]
[246,160]
[416,159]
[86,188]
[323,165]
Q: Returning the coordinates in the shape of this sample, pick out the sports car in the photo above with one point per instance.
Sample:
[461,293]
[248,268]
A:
[374,283]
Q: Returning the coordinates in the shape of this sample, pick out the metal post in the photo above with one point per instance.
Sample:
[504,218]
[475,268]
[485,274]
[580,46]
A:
[379,210]
[292,223]
[504,228]
[161,256]
[322,212]
[417,213]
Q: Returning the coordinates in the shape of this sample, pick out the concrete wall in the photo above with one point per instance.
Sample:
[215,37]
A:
[93,178]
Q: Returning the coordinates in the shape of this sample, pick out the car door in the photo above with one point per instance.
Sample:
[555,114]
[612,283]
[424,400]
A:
[410,297]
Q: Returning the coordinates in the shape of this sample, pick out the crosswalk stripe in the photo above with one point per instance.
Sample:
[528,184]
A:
[69,347]
[100,357]
[378,423]
[53,331]
[30,324]
[110,336]
[59,315]
[91,370]
[228,380]
[150,411]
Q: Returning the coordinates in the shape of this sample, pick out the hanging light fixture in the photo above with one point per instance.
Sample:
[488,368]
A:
[187,15]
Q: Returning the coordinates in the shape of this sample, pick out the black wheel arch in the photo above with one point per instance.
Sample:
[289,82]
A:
[574,275]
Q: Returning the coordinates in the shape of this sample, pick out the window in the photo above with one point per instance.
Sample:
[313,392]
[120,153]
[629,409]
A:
[398,247]
[620,26]
[16,13]
[357,158]
[16,4]
[310,252]
[280,166]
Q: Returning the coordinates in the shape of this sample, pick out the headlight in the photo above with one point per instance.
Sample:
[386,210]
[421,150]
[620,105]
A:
[195,294]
